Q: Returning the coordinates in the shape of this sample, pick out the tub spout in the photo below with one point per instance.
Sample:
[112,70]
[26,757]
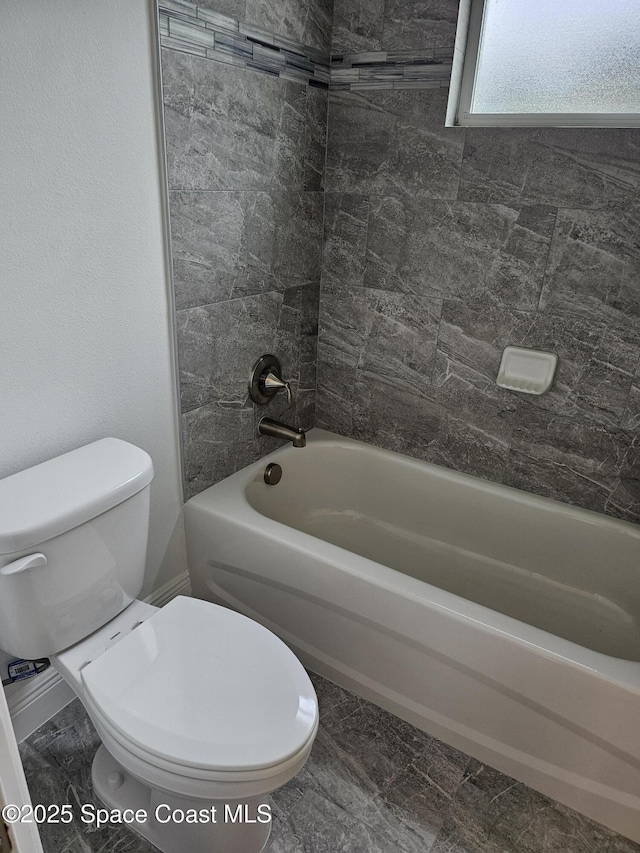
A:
[267,426]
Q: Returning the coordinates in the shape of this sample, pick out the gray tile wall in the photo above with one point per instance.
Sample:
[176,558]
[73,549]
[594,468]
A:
[246,156]
[360,25]
[441,246]
[444,246]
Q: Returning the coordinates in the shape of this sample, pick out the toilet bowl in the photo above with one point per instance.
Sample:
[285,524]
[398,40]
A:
[196,706]
[201,711]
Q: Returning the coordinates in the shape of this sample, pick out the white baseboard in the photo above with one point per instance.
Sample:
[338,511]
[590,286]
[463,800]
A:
[40,701]
[180,585]
[44,695]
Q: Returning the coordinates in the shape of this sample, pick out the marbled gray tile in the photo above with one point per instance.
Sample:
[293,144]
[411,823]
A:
[305,21]
[334,392]
[211,454]
[564,167]
[376,354]
[456,424]
[207,231]
[227,245]
[283,235]
[593,379]
[377,747]
[57,763]
[284,800]
[467,390]
[392,143]
[308,357]
[196,333]
[413,776]
[568,459]
[218,344]
[475,339]
[419,23]
[372,784]
[318,825]
[229,129]
[316,145]
[465,443]
[357,25]
[476,252]
[334,702]
[387,416]
[481,236]
[624,500]
[594,265]
[66,745]
[486,251]
[380,334]
[631,414]
[218,440]
[287,338]
[387,784]
[455,415]
[494,814]
[411,812]
[345,239]
[605,385]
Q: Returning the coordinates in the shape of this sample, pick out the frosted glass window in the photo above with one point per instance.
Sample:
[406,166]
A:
[553,57]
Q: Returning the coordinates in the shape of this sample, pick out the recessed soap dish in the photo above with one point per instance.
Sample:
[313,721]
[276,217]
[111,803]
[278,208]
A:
[529,371]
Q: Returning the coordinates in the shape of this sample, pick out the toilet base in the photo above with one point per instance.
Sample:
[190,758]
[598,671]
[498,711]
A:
[223,826]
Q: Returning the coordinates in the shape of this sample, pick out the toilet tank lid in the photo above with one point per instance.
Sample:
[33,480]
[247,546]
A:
[62,493]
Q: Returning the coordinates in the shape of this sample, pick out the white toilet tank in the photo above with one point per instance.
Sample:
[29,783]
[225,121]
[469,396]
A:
[73,542]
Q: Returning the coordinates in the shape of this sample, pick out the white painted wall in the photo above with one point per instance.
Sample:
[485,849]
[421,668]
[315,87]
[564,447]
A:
[85,317]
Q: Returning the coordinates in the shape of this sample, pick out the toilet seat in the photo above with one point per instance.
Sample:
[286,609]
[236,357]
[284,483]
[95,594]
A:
[190,782]
[200,691]
[127,748]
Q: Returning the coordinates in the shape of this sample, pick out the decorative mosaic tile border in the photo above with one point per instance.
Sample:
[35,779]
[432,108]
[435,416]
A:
[191,29]
[201,32]
[398,69]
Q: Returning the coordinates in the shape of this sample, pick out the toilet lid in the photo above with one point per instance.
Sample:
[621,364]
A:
[203,686]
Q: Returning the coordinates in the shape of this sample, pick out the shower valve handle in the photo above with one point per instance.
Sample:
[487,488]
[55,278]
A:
[273,381]
[266,380]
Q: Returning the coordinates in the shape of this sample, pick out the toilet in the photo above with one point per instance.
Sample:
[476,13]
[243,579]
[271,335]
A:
[201,711]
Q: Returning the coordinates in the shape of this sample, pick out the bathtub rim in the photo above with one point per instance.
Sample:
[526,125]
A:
[318,436]
[228,499]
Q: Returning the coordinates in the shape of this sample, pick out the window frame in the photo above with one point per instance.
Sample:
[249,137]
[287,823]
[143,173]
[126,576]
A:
[461,93]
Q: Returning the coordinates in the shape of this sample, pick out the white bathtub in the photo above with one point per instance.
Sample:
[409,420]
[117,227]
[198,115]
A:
[505,624]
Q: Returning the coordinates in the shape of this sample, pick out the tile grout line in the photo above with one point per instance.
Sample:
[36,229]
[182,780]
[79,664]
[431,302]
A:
[322,248]
[545,271]
[271,292]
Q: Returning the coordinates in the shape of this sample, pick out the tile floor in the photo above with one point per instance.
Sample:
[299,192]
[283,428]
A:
[373,784]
